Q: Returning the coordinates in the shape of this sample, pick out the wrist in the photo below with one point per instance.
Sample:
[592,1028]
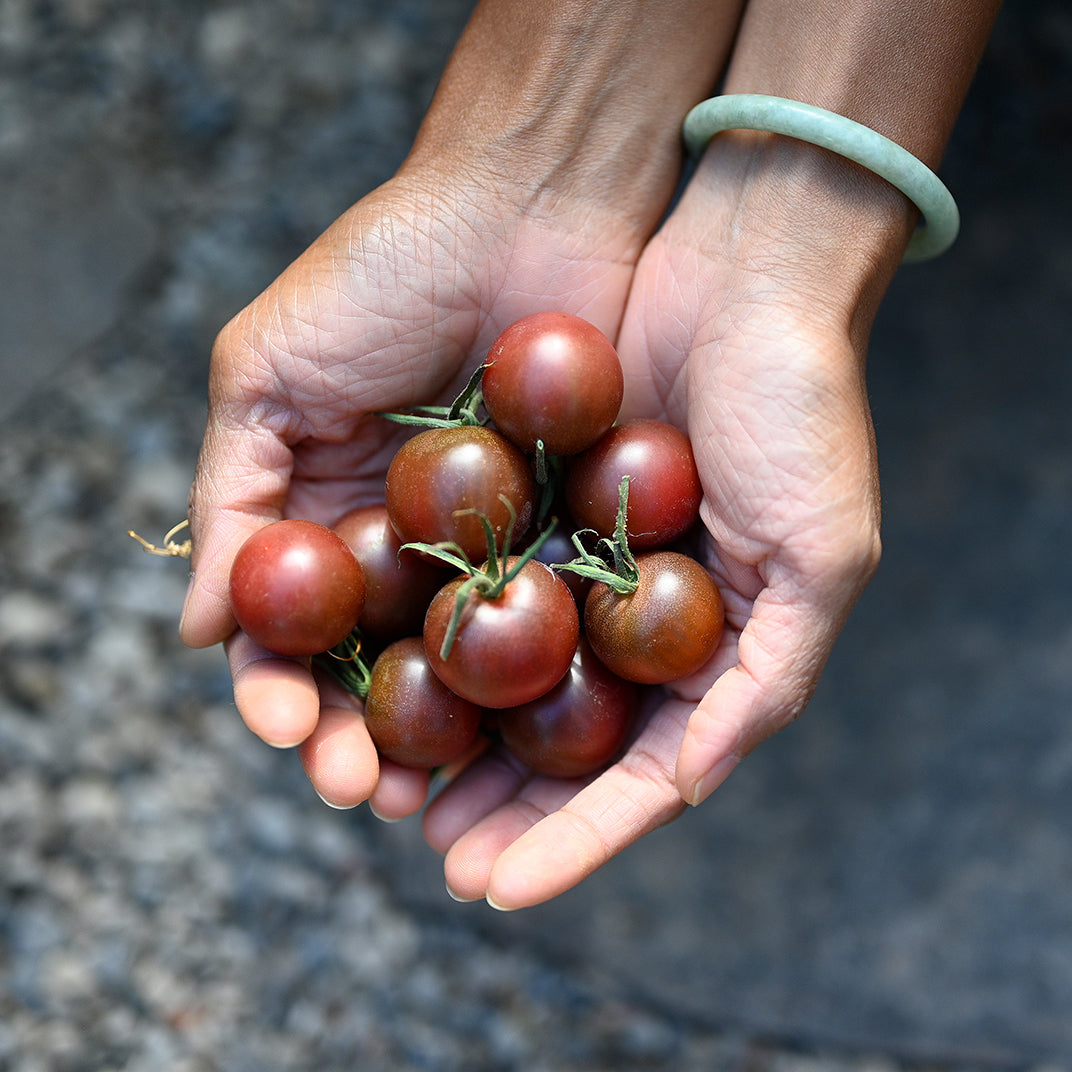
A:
[563,100]
[784,215]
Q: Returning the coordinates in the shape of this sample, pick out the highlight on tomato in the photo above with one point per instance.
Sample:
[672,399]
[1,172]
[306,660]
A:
[443,481]
[412,717]
[399,584]
[296,588]
[665,629]
[579,726]
[553,382]
[506,646]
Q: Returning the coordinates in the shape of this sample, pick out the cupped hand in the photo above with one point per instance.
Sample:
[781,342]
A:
[766,372]
[394,306]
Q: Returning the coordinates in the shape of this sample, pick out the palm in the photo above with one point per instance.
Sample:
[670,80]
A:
[405,302]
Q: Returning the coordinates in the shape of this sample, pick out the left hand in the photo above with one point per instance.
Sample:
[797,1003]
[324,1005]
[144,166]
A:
[760,356]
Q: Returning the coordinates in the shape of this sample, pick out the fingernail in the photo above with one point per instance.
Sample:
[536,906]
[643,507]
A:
[332,804]
[706,785]
[383,818]
[186,603]
[459,898]
[497,907]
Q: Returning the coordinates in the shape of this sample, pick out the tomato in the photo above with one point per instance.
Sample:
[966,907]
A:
[296,588]
[665,630]
[412,717]
[664,486]
[508,649]
[399,584]
[443,478]
[577,727]
[555,378]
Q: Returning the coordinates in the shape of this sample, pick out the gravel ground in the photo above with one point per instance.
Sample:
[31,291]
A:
[173,896]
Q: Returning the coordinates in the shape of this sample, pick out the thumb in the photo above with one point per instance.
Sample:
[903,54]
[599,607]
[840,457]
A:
[240,486]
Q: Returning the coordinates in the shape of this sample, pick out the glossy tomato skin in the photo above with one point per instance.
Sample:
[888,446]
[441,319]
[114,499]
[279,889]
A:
[576,728]
[296,588]
[664,485]
[442,478]
[412,717]
[510,649]
[399,584]
[665,630]
[555,378]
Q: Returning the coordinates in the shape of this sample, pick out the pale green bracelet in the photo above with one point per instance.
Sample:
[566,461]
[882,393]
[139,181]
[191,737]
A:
[753,111]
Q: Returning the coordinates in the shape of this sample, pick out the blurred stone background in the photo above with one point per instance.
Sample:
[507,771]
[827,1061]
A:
[884,886]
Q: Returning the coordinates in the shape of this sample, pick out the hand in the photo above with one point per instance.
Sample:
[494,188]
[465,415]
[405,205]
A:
[734,339]
[393,307]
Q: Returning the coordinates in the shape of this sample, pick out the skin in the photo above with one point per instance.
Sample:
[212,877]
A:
[537,181]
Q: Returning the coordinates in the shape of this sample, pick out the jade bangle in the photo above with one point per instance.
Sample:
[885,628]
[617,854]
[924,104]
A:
[752,111]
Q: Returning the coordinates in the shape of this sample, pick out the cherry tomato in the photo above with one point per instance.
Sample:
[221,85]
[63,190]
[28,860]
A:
[412,717]
[296,588]
[664,486]
[555,378]
[508,649]
[443,478]
[577,727]
[665,630]
[399,584]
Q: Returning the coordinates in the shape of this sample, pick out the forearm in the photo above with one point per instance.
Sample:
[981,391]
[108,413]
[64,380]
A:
[579,99]
[902,67]
[819,226]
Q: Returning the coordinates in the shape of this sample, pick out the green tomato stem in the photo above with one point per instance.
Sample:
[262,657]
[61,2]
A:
[462,412]
[489,582]
[621,573]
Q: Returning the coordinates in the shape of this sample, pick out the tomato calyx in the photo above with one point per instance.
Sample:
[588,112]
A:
[490,579]
[464,411]
[616,566]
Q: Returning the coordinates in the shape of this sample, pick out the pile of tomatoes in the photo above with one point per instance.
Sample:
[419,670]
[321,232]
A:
[523,576]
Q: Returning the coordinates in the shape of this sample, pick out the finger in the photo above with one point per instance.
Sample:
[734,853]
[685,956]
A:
[541,845]
[277,698]
[339,757]
[780,656]
[400,792]
[484,785]
[240,486]
[468,862]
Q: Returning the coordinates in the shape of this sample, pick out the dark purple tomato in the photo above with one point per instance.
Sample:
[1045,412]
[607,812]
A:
[664,486]
[555,378]
[399,584]
[665,630]
[508,649]
[576,728]
[296,588]
[443,478]
[412,717]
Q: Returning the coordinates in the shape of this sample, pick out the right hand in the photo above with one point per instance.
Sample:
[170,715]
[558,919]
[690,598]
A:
[394,306]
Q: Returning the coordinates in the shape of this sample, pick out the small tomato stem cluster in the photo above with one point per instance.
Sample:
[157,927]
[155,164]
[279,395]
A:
[621,573]
[491,579]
